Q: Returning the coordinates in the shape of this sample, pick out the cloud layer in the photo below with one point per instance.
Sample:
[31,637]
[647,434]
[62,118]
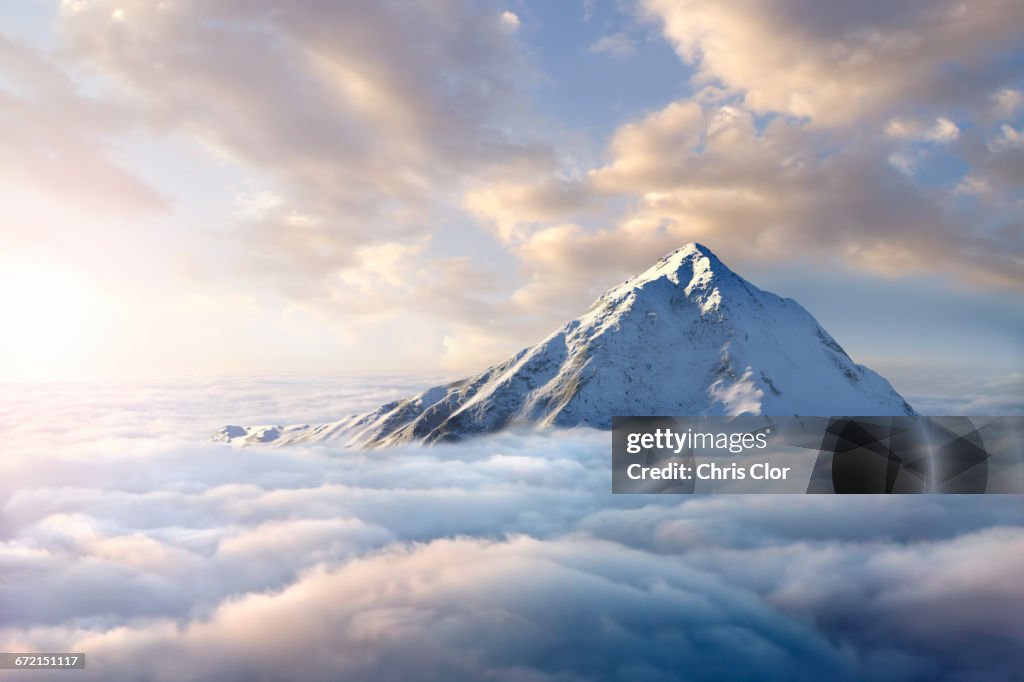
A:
[168,558]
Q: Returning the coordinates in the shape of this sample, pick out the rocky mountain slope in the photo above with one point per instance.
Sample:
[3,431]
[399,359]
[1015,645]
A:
[686,337]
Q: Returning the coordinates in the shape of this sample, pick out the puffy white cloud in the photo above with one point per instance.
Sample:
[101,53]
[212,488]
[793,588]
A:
[943,130]
[510,19]
[165,557]
[836,63]
[758,191]
[514,206]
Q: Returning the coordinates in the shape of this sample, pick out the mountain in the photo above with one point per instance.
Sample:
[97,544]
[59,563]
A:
[687,337]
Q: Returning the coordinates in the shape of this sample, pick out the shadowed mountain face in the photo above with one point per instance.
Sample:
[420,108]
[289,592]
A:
[686,337]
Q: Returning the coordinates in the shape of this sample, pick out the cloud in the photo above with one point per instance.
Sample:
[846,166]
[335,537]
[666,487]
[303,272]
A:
[510,19]
[813,132]
[515,206]
[160,555]
[360,117]
[836,63]
[997,164]
[942,131]
[1007,139]
[465,609]
[618,45]
[973,185]
[379,138]
[1007,102]
[469,348]
[960,393]
[764,191]
[52,131]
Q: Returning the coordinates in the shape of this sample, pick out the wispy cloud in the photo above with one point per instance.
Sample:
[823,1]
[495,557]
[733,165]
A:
[56,139]
[619,45]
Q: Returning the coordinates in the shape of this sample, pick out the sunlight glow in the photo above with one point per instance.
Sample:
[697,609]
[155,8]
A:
[47,318]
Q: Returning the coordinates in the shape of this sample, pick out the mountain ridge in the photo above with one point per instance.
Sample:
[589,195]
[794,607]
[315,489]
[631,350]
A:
[688,336]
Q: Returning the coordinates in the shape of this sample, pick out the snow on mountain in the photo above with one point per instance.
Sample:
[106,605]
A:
[686,337]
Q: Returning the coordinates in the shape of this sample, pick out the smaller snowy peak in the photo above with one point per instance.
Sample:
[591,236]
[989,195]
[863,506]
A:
[250,435]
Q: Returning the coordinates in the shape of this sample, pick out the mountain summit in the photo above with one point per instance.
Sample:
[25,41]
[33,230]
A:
[687,337]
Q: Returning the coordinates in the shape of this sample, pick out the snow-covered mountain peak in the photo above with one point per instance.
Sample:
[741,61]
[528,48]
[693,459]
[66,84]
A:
[688,336]
[691,266]
[690,273]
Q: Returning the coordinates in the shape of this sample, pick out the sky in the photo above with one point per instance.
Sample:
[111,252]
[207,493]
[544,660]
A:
[227,187]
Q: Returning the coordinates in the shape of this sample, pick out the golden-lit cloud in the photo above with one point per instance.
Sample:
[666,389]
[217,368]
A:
[758,192]
[354,164]
[942,131]
[362,118]
[837,62]
[55,140]
[803,139]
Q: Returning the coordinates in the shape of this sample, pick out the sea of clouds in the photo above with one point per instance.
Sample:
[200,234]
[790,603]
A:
[126,534]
